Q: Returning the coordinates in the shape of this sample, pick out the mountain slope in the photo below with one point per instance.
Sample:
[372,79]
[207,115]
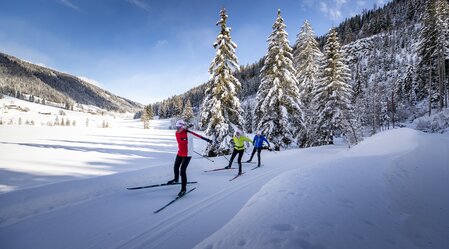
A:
[17,76]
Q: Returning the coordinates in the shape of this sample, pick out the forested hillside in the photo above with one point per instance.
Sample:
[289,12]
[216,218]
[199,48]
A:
[39,84]
[389,58]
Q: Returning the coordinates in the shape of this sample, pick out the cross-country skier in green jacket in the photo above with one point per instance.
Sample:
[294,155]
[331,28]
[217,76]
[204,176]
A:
[239,148]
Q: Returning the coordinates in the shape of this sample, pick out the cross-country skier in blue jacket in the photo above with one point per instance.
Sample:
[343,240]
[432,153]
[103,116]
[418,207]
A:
[258,146]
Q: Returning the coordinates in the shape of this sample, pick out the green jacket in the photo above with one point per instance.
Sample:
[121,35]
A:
[239,142]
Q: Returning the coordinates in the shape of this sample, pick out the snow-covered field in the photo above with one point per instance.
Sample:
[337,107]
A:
[65,187]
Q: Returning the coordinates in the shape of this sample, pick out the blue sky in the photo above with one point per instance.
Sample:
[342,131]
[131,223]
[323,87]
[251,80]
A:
[148,50]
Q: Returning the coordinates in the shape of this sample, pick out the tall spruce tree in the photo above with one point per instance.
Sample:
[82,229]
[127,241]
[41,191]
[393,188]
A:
[333,95]
[187,114]
[306,58]
[278,112]
[147,115]
[433,50]
[443,51]
[221,113]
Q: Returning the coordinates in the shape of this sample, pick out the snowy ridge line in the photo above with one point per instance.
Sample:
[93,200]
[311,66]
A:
[25,203]
[152,237]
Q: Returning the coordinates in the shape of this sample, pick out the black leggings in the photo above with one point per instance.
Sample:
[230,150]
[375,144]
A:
[239,160]
[258,154]
[183,162]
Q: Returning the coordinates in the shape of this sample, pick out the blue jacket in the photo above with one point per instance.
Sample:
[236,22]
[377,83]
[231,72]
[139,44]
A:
[258,141]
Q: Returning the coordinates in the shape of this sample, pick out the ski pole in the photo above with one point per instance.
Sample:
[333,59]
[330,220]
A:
[204,157]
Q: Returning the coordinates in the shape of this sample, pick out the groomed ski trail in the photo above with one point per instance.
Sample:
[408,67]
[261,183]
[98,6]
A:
[125,219]
[176,223]
[163,231]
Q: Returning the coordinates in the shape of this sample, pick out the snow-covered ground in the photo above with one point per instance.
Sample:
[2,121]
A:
[65,187]
[391,191]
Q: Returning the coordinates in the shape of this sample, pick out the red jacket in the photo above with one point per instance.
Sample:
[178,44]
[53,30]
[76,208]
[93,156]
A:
[185,143]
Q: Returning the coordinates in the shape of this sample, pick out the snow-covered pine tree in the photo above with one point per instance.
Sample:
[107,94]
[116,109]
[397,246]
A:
[147,115]
[248,107]
[332,96]
[221,113]
[278,112]
[443,51]
[176,106]
[187,114]
[405,94]
[432,49]
[306,58]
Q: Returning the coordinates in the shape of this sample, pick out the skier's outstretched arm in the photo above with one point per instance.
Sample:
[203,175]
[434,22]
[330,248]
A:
[199,136]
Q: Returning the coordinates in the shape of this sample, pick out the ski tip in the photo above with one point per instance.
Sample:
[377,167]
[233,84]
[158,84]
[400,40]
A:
[235,177]
[176,198]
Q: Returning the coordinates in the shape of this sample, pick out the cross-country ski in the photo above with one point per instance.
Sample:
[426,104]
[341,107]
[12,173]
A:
[219,169]
[258,166]
[157,185]
[235,177]
[173,201]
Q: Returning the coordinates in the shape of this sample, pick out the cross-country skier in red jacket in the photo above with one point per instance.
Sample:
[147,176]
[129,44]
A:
[184,137]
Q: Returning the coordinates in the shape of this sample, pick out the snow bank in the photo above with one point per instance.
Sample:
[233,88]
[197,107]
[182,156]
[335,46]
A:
[394,141]
[388,192]
[437,123]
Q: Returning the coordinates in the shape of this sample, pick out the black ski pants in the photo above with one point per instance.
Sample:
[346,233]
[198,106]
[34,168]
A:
[181,162]
[239,160]
[258,154]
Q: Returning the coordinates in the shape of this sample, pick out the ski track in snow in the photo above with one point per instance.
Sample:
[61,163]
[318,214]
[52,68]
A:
[153,237]
[378,195]
[161,233]
[86,204]
[99,203]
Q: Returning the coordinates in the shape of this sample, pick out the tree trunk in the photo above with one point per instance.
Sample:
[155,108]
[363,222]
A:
[440,81]
[446,82]
[392,108]
[430,89]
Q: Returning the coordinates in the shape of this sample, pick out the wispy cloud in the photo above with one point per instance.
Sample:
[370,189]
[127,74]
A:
[140,4]
[333,12]
[160,43]
[69,4]
[91,81]
[361,3]
[305,4]
[339,3]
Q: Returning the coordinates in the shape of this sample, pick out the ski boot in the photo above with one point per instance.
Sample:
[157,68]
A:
[182,192]
[174,181]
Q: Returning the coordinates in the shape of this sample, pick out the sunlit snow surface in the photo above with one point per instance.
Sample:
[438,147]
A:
[65,187]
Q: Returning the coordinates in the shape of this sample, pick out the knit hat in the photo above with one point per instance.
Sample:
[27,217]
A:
[180,124]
